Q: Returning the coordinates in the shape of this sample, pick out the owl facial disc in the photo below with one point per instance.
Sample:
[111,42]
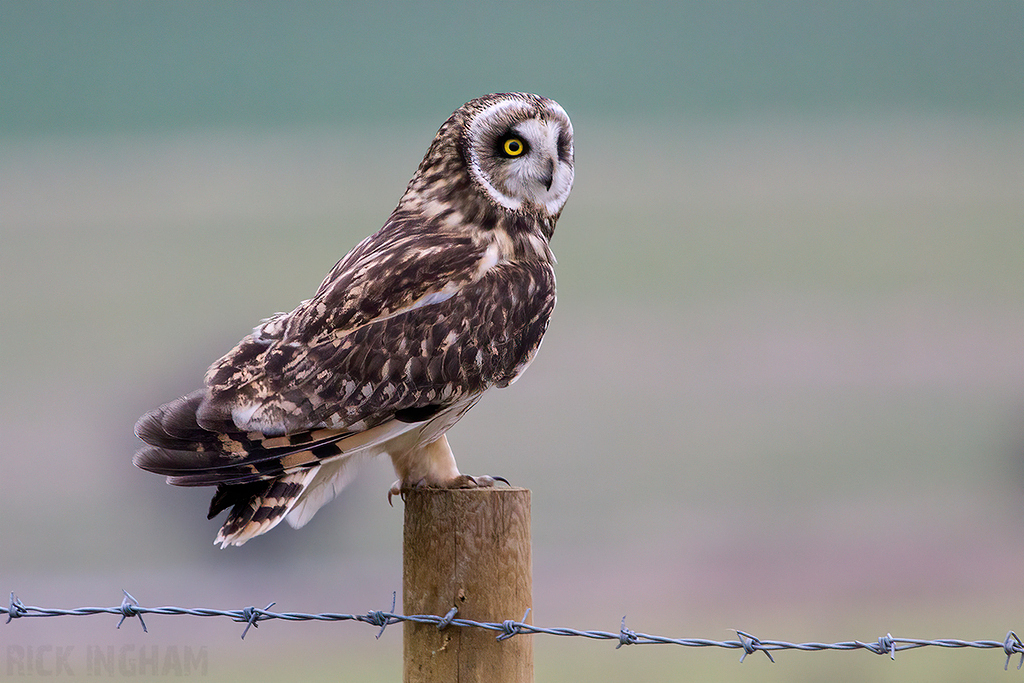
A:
[521,152]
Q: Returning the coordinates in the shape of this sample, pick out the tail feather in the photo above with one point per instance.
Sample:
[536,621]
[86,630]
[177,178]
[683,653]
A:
[257,510]
[260,478]
[242,458]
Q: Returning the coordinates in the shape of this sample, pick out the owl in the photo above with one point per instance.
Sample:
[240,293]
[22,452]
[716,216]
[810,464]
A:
[449,299]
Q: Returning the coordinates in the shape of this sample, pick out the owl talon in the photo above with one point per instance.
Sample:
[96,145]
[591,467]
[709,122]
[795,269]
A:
[463,481]
[396,490]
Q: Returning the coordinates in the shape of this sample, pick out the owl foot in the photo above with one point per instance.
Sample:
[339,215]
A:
[463,481]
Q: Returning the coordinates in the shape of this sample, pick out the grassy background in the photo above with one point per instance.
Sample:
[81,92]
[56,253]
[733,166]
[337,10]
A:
[782,391]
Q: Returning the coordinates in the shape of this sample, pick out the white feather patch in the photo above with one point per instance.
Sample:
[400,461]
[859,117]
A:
[328,482]
[242,415]
[433,298]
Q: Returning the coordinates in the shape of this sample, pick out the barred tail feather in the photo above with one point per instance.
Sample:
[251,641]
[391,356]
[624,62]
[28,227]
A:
[262,479]
[258,513]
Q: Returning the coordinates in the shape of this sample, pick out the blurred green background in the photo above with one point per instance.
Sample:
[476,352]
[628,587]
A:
[782,391]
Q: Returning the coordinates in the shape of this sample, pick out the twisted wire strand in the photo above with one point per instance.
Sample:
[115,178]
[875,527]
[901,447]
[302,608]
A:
[252,616]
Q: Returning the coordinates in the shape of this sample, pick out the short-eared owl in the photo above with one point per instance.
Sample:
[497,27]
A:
[450,298]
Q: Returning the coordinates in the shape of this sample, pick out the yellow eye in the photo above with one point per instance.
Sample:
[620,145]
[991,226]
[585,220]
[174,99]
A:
[513,147]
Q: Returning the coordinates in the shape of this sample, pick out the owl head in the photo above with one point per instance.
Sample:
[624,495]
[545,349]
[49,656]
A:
[514,151]
[518,147]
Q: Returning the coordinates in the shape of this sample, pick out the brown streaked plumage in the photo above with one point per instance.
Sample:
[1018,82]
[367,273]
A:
[450,298]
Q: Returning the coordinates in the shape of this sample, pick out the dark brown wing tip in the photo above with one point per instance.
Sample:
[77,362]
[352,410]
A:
[148,427]
[174,423]
[157,460]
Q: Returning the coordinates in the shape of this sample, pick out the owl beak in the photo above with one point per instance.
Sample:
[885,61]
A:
[549,175]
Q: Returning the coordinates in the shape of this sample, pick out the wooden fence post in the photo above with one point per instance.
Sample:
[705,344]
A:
[470,549]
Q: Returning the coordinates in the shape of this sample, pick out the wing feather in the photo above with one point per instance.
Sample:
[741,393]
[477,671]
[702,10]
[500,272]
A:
[356,378]
[405,370]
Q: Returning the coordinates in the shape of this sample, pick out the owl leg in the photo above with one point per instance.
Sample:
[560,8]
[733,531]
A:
[433,466]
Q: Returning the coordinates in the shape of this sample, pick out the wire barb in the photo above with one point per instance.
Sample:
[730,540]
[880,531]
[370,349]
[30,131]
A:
[513,628]
[886,646]
[751,645]
[1013,646]
[626,637]
[129,608]
[16,608]
[382,619]
[252,617]
[446,620]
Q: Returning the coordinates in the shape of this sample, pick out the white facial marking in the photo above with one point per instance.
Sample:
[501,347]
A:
[540,175]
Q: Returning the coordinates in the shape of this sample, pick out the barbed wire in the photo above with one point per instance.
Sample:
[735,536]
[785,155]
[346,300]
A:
[252,616]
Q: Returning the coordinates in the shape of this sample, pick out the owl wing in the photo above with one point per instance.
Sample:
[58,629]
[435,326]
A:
[351,355]
[385,344]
